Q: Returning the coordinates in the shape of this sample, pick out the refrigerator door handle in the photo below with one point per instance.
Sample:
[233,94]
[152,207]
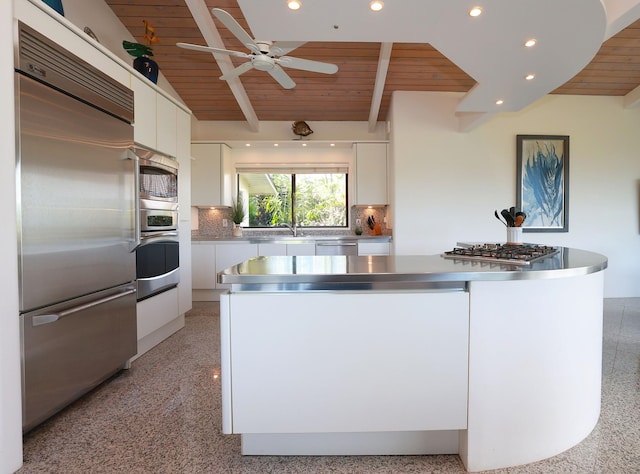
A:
[131,155]
[53,317]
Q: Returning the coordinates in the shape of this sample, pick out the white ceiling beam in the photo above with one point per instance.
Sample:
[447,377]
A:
[620,14]
[632,99]
[378,88]
[204,20]
[468,121]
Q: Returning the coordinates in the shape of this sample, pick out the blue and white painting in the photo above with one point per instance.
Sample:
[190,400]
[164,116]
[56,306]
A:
[543,174]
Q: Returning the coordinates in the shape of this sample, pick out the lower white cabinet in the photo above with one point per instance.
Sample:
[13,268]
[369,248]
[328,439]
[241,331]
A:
[374,248]
[301,249]
[348,362]
[203,266]
[158,317]
[230,254]
[266,250]
[287,249]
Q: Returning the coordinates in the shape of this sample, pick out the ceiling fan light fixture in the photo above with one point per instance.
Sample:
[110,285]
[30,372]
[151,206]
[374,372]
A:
[376,5]
[294,4]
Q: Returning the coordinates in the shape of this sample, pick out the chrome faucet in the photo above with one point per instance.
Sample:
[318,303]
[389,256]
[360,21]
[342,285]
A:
[293,228]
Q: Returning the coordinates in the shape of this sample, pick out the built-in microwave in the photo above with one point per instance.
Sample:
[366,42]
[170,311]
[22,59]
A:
[157,177]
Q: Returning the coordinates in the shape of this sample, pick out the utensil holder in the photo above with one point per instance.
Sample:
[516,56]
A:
[514,235]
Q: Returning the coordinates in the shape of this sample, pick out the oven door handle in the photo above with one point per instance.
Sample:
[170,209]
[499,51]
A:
[131,155]
[170,236]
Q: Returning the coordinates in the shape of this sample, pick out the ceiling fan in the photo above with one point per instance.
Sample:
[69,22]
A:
[263,54]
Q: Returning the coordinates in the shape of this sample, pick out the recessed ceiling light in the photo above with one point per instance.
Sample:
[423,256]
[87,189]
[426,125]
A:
[304,144]
[294,4]
[247,144]
[475,11]
[376,5]
[530,43]
[530,77]
[276,144]
[499,102]
[333,144]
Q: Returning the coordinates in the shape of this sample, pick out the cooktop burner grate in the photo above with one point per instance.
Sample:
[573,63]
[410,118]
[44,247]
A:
[521,254]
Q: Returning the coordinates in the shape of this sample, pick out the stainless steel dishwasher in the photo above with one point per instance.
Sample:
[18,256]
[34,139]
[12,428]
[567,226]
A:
[336,247]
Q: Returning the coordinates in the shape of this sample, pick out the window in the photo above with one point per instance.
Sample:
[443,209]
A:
[315,197]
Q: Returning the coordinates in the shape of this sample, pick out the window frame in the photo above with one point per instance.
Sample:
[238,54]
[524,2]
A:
[293,171]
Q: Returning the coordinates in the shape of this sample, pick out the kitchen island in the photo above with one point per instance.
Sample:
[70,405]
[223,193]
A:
[498,363]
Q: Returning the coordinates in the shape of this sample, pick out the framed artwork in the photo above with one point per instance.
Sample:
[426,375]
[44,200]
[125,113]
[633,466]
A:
[542,186]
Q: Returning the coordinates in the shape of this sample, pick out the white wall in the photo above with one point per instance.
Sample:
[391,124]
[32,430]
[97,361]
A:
[228,131]
[447,184]
[10,403]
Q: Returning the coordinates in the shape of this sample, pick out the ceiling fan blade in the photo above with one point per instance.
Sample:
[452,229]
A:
[234,27]
[209,49]
[282,77]
[244,67]
[281,48]
[307,65]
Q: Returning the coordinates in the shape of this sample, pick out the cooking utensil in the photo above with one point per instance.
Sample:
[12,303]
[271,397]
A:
[520,217]
[508,217]
[495,213]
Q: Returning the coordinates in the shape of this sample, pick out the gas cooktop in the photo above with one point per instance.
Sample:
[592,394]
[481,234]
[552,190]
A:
[521,254]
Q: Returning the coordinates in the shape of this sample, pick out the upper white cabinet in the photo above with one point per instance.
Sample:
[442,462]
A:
[206,173]
[166,122]
[155,118]
[371,173]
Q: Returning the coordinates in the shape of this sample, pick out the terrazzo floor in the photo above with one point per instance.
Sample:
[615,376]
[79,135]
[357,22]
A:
[163,416]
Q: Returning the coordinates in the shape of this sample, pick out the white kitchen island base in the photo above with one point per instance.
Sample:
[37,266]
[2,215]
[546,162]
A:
[502,372]
[342,444]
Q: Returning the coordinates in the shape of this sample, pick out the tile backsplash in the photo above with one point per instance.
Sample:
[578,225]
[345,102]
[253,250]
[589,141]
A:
[210,222]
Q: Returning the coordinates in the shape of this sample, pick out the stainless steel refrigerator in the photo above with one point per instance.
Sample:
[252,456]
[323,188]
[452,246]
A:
[77,225]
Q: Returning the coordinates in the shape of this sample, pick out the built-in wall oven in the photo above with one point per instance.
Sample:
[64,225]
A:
[157,256]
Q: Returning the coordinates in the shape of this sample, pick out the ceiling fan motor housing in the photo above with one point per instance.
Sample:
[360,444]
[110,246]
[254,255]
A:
[265,46]
[262,62]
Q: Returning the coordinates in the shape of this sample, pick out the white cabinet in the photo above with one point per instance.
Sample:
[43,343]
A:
[155,120]
[265,250]
[371,173]
[231,254]
[374,248]
[206,173]
[144,99]
[183,137]
[157,319]
[301,249]
[166,125]
[203,268]
[421,338]
[307,248]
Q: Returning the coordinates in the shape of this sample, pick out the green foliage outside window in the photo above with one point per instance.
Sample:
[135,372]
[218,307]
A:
[319,199]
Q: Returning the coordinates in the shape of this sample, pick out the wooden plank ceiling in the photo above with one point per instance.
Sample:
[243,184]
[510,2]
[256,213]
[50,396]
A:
[346,95]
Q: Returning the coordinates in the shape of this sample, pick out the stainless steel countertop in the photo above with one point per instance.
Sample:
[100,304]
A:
[401,271]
